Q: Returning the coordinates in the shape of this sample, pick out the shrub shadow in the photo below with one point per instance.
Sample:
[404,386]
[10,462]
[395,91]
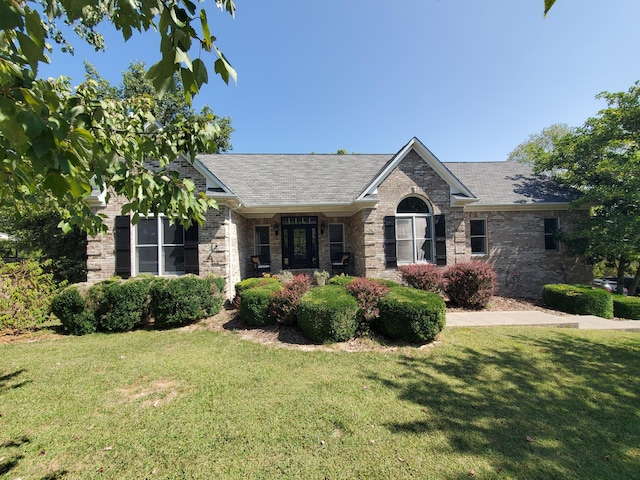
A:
[568,421]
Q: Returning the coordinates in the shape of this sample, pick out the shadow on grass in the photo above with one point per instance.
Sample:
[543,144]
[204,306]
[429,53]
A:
[8,458]
[557,406]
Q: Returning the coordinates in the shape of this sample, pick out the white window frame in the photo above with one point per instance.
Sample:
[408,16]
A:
[160,246]
[484,237]
[551,234]
[428,216]
[341,243]
[257,247]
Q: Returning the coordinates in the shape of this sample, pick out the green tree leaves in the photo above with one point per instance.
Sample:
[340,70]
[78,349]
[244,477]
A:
[59,144]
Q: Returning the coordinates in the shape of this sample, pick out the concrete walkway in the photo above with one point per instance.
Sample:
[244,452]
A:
[538,319]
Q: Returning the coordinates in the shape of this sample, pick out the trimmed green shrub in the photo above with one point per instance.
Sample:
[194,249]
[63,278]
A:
[25,294]
[470,284]
[386,283]
[341,280]
[410,314]
[423,276]
[284,303]
[71,308]
[183,300]
[255,304]
[250,283]
[122,306]
[328,313]
[578,299]
[626,307]
[219,282]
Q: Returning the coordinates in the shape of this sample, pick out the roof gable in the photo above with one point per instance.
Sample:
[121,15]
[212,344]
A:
[460,194]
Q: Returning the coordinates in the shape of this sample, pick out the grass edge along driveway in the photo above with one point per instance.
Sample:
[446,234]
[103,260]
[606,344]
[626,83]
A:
[482,403]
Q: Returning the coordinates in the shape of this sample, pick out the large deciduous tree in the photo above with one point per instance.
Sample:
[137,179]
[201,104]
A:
[602,160]
[539,145]
[58,142]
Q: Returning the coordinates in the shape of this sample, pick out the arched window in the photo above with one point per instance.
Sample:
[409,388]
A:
[414,231]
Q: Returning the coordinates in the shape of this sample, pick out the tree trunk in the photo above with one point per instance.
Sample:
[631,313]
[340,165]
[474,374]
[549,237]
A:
[623,263]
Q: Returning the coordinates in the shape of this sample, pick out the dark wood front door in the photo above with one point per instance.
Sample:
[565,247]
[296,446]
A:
[299,243]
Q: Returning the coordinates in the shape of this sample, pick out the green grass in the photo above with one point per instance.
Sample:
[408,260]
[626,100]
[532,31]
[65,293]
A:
[502,402]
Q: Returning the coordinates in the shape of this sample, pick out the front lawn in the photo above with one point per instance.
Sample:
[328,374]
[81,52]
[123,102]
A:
[481,403]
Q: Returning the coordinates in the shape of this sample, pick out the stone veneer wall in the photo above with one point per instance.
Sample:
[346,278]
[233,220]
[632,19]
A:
[515,238]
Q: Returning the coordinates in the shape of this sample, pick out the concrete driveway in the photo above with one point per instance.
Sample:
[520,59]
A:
[538,319]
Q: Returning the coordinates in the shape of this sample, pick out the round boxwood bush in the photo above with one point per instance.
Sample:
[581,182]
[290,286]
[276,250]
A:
[328,313]
[122,305]
[410,314]
[183,300]
[578,299]
[626,307]
[71,308]
[254,307]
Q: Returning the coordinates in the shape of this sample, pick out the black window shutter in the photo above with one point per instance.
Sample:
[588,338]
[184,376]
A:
[191,262]
[122,233]
[391,259]
[441,240]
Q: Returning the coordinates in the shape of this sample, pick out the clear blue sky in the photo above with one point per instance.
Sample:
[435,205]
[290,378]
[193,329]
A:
[471,79]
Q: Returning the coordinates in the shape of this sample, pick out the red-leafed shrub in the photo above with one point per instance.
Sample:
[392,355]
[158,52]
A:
[423,276]
[470,284]
[284,304]
[368,294]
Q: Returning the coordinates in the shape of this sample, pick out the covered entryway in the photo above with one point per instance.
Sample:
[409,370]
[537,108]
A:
[299,243]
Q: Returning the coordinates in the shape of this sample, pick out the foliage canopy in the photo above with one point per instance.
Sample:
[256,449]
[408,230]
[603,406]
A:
[61,143]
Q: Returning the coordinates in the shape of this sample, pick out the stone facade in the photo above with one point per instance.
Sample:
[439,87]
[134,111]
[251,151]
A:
[515,234]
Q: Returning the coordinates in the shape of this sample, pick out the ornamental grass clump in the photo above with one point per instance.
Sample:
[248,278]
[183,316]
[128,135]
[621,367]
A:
[423,276]
[410,314]
[328,314]
[284,302]
[470,284]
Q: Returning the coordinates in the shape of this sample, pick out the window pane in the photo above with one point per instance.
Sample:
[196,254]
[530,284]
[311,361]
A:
[147,231]
[424,248]
[405,251]
[477,245]
[404,228]
[173,259]
[477,227]
[336,232]
[262,235]
[173,234]
[423,227]
[413,205]
[335,251]
[147,260]
[550,225]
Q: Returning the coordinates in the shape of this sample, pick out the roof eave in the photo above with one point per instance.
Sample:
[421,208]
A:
[504,207]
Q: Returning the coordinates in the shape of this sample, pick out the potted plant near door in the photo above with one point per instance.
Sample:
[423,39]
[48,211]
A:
[321,276]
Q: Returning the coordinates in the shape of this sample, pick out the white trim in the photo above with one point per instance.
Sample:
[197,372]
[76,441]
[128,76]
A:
[160,245]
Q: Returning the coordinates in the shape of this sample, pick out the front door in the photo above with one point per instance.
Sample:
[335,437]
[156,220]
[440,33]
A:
[299,243]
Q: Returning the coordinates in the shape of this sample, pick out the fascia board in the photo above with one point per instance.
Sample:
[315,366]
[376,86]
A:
[514,207]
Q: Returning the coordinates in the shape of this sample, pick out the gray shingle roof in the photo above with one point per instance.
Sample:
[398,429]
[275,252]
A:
[279,180]
[270,180]
[508,183]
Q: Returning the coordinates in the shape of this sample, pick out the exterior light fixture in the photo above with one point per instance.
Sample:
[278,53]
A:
[322,229]
[275,228]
